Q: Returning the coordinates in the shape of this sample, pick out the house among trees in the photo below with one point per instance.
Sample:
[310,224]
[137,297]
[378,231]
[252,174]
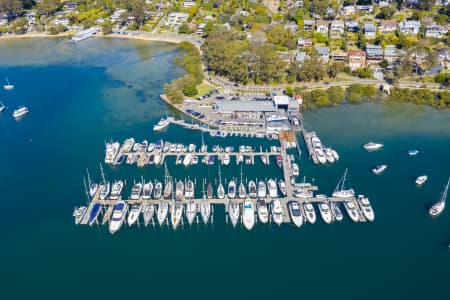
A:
[322,27]
[352,26]
[308,25]
[409,27]
[348,10]
[339,56]
[337,28]
[374,53]
[175,19]
[391,54]
[324,53]
[387,26]
[356,59]
[435,31]
[304,42]
[370,31]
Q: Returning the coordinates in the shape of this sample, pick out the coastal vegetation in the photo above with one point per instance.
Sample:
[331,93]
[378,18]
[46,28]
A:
[189,60]
[360,93]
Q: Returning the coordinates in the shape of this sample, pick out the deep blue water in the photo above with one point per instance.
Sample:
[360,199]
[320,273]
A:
[81,95]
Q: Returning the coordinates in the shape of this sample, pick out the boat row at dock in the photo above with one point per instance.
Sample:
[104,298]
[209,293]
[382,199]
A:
[247,211]
[318,152]
[145,153]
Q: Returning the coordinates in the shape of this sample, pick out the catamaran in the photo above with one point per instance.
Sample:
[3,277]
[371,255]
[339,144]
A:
[248,215]
[439,206]
[8,86]
[296,213]
[310,212]
[252,189]
[163,209]
[176,214]
[339,191]
[277,212]
[118,216]
[351,210]
[148,210]
[191,211]
[263,212]
[262,192]
[366,208]
[133,216]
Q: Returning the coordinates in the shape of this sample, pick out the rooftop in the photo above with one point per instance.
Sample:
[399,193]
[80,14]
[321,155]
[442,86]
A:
[230,106]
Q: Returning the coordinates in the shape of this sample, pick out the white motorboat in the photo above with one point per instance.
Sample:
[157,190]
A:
[329,155]
[163,123]
[187,160]
[93,187]
[163,209]
[277,212]
[252,192]
[351,210]
[263,212]
[379,169]
[335,154]
[272,186]
[79,213]
[194,160]
[233,212]
[136,191]
[157,191]
[321,156]
[295,169]
[296,213]
[105,189]
[303,193]
[191,148]
[310,212]
[231,189]
[282,187]
[371,146]
[413,152]
[176,214]
[8,86]
[226,159]
[158,159]
[262,192]
[133,216]
[275,118]
[264,160]
[128,145]
[147,190]
[166,147]
[438,207]
[111,152]
[248,214]
[118,216]
[116,190]
[340,192]
[421,179]
[191,211]
[205,210]
[220,191]
[325,212]
[2,106]
[148,210]
[179,160]
[366,208]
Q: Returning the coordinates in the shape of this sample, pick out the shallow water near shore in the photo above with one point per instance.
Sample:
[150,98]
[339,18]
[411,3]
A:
[101,89]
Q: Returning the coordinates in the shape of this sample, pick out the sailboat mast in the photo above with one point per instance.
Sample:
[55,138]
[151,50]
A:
[102,173]
[85,190]
[88,177]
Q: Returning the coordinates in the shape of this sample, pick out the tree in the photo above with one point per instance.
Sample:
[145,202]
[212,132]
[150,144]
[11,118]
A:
[320,7]
[48,6]
[386,12]
[277,34]
[10,7]
[107,27]
[184,28]
[335,68]
[190,90]
[384,63]
[336,94]
[320,97]
[137,9]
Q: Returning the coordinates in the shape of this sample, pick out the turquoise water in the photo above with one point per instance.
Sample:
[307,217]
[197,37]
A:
[80,95]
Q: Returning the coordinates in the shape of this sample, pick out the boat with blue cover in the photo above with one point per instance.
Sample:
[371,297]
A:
[95,212]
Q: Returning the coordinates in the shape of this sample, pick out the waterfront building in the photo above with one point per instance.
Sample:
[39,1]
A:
[356,59]
[339,56]
[175,19]
[391,53]
[374,53]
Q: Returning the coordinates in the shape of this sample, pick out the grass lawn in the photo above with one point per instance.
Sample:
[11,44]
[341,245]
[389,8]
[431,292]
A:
[204,88]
